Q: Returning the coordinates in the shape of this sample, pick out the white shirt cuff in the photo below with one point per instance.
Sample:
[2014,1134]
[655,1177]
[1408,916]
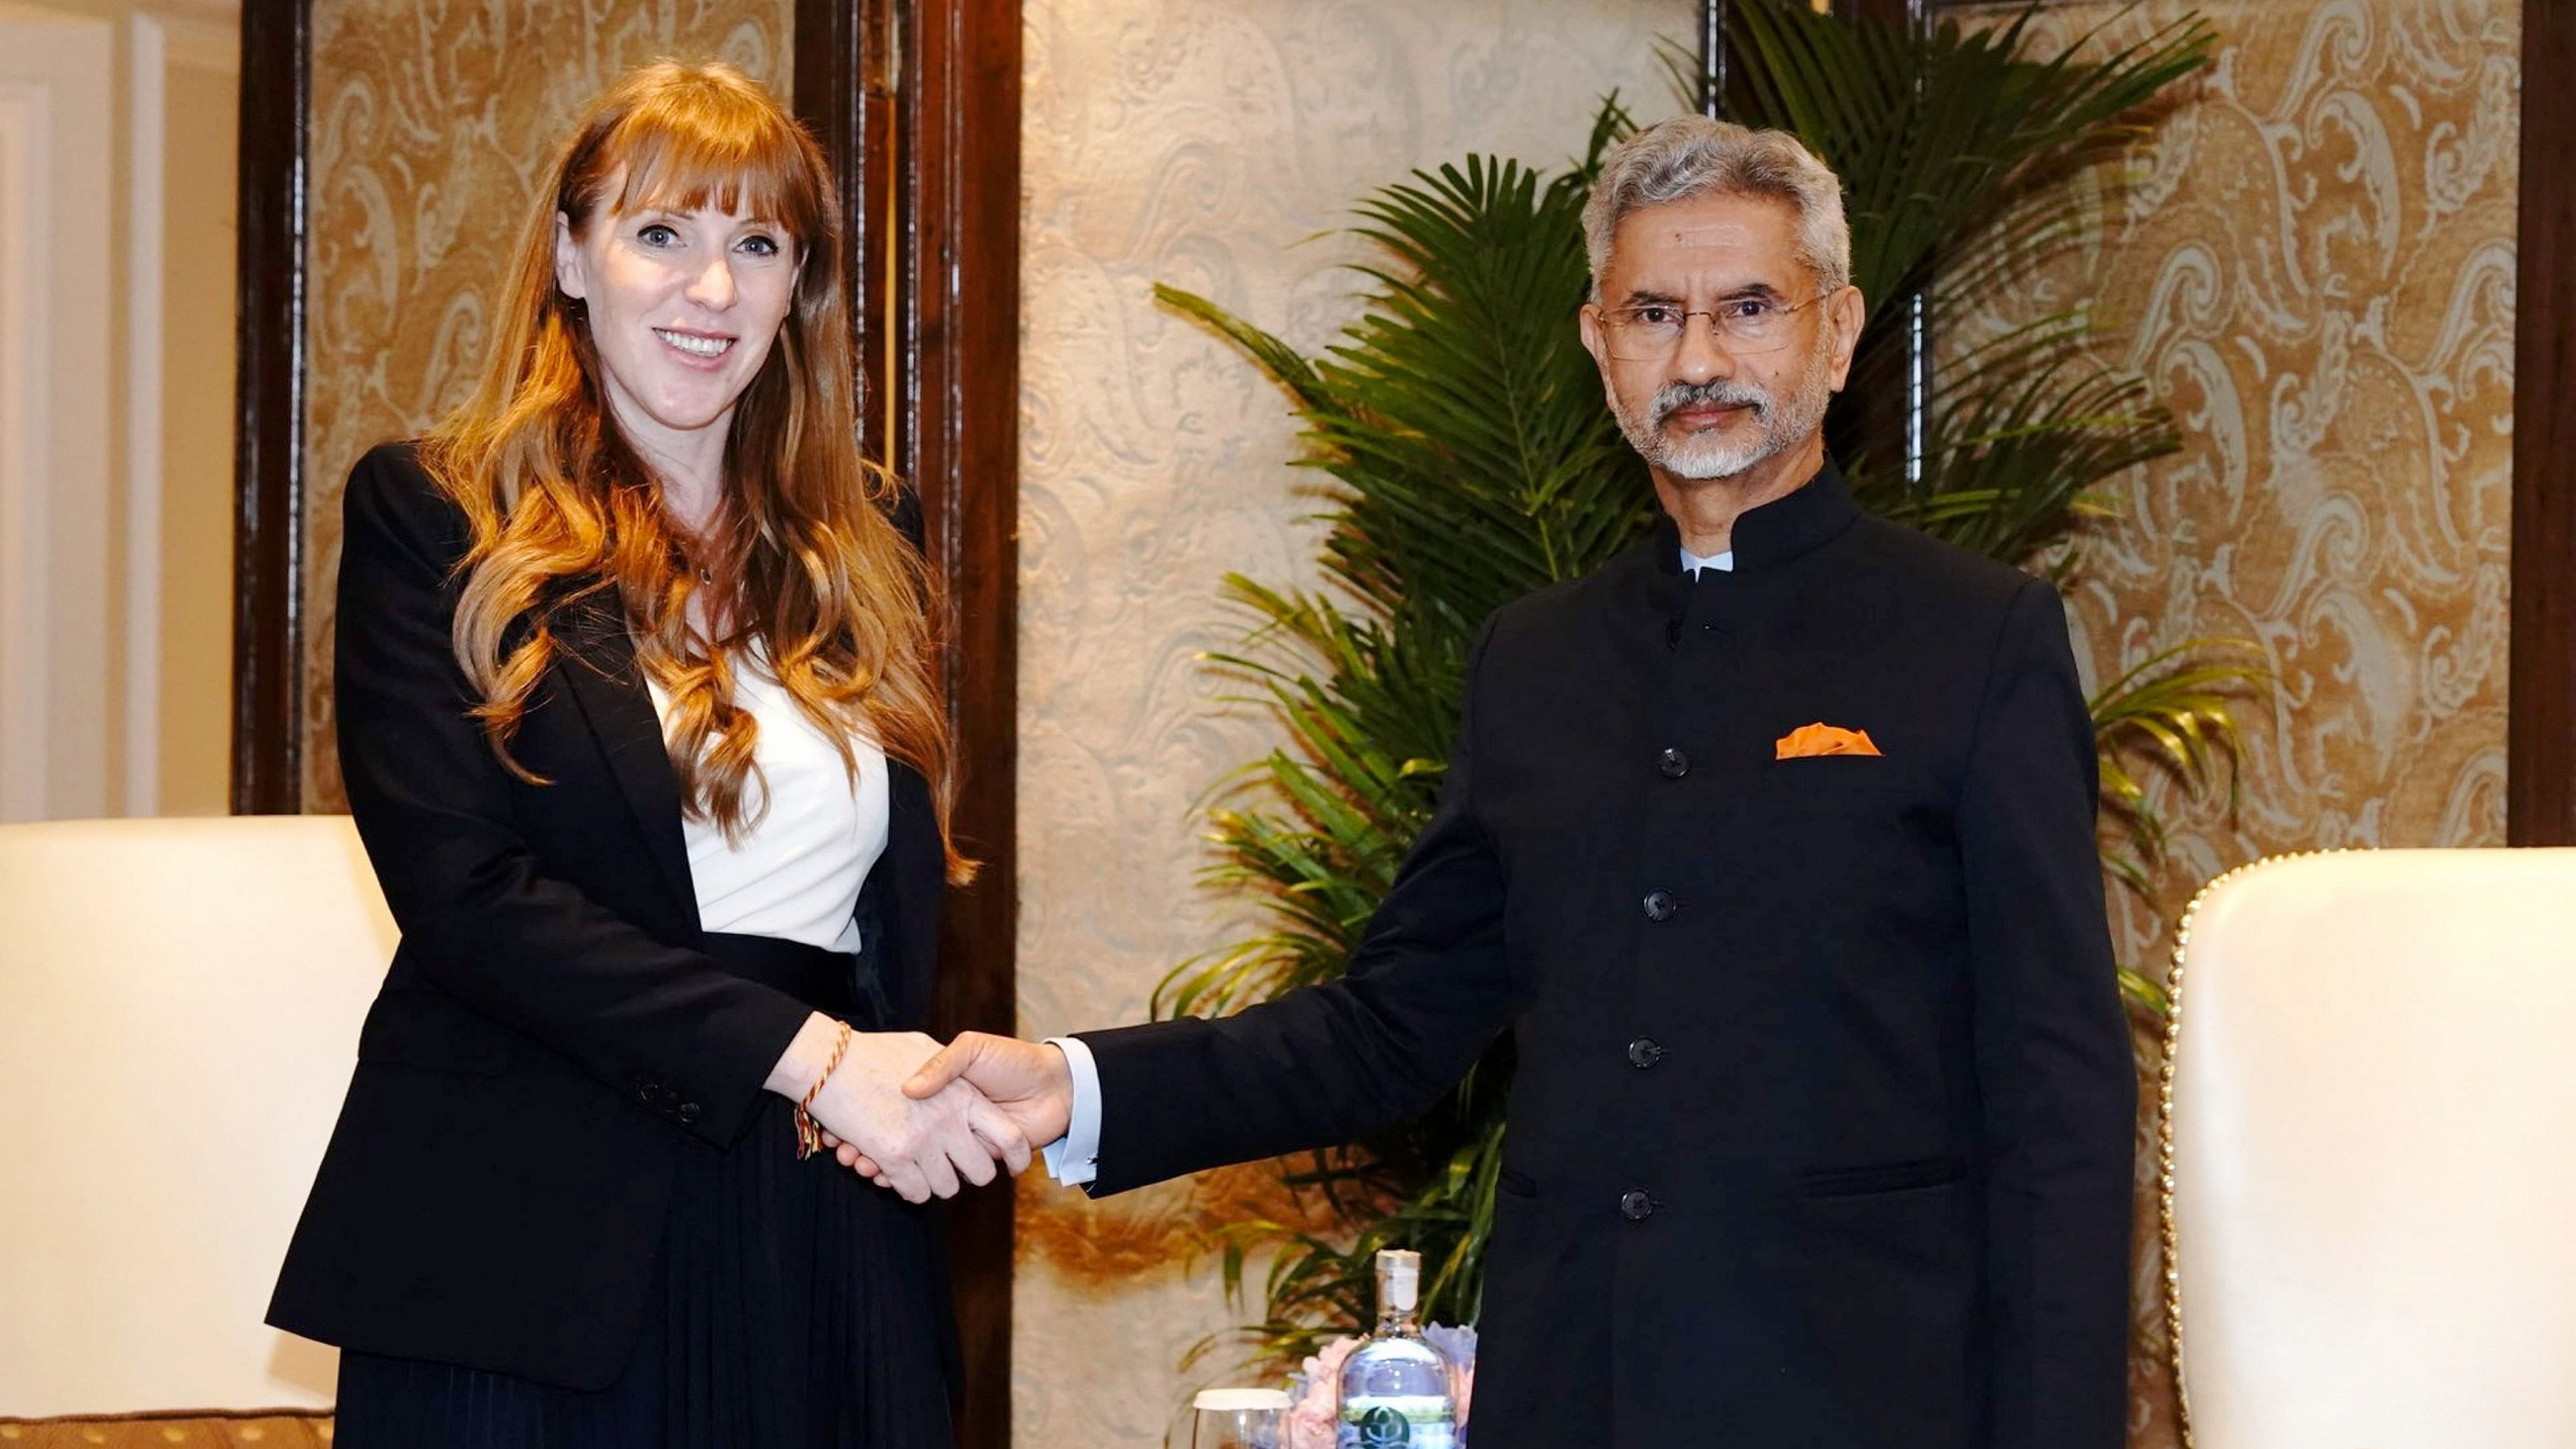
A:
[1074,1158]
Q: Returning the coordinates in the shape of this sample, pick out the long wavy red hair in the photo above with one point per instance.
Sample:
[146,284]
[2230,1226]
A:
[803,562]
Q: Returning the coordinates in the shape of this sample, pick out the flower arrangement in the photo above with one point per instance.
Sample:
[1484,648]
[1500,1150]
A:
[1315,1390]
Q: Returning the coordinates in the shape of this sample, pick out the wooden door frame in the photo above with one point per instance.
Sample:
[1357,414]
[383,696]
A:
[918,104]
[2540,732]
[268,409]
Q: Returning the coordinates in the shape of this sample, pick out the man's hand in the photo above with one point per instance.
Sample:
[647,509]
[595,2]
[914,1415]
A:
[1027,1082]
[921,1145]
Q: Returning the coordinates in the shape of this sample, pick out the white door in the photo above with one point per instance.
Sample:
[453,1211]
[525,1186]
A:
[58,624]
[116,383]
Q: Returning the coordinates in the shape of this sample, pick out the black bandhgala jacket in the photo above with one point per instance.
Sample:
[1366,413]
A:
[549,1040]
[1821,1136]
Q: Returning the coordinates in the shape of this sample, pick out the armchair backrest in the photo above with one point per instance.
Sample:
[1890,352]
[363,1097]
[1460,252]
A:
[2370,1138]
[179,1012]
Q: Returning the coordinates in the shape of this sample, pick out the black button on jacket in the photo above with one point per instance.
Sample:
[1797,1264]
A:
[1886,1161]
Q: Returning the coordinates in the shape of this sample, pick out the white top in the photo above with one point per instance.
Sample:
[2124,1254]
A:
[1074,1158]
[796,875]
[1722,562]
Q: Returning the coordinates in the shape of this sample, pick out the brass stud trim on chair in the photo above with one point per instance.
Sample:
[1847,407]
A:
[2167,1233]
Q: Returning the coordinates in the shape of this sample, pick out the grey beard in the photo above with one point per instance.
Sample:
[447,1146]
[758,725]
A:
[1778,426]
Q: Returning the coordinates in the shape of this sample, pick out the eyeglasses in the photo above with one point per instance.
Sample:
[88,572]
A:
[1652,331]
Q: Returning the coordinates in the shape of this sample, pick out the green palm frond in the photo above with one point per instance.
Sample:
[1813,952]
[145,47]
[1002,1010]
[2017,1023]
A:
[2023,429]
[1954,147]
[2143,994]
[2171,711]
[1944,139]
[1460,415]
[1318,1285]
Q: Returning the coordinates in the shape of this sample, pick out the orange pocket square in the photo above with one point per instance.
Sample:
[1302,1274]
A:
[1807,741]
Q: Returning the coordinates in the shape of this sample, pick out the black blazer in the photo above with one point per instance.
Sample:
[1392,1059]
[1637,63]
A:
[548,1041]
[1821,1134]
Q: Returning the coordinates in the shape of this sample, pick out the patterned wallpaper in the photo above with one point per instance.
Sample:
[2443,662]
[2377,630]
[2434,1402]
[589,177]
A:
[2313,260]
[1204,143]
[433,122]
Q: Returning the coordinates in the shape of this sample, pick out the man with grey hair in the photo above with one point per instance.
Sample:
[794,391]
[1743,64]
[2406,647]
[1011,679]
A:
[1771,843]
[1719,195]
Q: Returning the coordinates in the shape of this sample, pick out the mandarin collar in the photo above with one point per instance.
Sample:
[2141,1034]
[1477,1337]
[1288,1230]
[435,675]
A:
[1778,531]
[1774,534]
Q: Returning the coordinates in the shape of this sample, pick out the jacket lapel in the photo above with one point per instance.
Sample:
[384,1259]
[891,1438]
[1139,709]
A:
[903,894]
[599,671]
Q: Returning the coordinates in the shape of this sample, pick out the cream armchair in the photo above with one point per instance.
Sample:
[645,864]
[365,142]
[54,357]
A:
[2370,1153]
[179,1011]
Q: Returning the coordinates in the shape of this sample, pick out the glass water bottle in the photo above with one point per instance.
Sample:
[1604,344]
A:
[1396,1388]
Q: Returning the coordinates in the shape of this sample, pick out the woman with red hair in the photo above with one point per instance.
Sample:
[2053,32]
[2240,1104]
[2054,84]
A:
[638,722]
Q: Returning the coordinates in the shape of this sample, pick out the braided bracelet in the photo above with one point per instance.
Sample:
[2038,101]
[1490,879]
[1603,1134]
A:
[809,1134]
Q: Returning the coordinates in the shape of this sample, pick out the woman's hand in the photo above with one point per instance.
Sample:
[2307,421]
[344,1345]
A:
[1030,1083]
[920,1148]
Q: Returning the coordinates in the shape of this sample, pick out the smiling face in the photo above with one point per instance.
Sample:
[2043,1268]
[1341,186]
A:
[1706,408]
[683,307]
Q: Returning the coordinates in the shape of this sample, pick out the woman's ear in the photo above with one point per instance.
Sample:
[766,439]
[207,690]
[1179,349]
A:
[568,270]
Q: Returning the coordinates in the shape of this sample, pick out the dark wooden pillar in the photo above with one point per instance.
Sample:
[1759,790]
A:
[268,414]
[2540,737]
[1894,416]
[1712,57]
[918,102]
[962,325]
[846,77]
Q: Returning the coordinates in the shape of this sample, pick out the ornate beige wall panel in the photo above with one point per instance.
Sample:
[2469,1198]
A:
[433,124]
[2314,264]
[1199,142]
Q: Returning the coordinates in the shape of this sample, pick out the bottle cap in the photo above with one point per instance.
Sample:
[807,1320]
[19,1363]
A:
[1236,1400]
[1399,1272]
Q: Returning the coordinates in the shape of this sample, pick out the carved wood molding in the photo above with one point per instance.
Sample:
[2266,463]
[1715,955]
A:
[918,103]
[268,424]
[2540,734]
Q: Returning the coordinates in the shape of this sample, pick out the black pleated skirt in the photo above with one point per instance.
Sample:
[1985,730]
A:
[797,1305]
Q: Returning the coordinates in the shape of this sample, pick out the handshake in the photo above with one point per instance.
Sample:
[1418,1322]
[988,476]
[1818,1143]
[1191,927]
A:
[918,1118]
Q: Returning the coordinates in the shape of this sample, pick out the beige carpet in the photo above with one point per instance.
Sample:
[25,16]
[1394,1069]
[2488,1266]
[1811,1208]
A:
[162,1431]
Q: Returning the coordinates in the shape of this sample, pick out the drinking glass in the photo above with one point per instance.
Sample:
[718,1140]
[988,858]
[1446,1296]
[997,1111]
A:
[1241,1419]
